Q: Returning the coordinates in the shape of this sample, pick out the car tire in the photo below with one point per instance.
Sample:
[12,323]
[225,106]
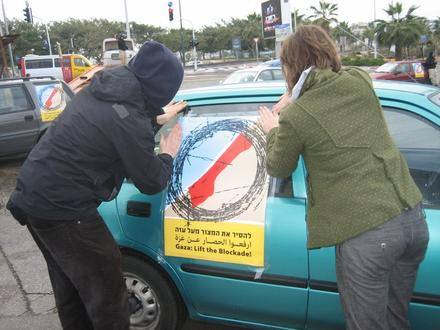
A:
[154,301]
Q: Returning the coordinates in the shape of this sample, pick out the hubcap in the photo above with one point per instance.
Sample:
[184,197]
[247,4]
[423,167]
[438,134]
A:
[144,305]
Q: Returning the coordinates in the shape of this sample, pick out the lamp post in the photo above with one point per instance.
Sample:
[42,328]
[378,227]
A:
[11,57]
[193,43]
[182,52]
[256,47]
[375,36]
[127,26]
[47,34]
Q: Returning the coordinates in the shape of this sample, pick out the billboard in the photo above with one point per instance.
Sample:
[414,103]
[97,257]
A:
[271,15]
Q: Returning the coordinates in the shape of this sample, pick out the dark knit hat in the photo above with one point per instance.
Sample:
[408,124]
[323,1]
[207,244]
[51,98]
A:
[159,71]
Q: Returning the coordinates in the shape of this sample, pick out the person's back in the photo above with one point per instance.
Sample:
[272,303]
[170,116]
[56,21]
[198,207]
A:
[355,170]
[85,154]
[361,197]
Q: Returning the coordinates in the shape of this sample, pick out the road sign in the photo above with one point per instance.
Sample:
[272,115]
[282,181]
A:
[236,43]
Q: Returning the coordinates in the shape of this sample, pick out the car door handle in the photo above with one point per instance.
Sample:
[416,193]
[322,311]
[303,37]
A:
[28,117]
[138,209]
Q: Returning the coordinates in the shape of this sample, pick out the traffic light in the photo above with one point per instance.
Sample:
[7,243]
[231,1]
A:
[170,11]
[27,15]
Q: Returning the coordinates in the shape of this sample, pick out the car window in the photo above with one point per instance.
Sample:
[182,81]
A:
[278,75]
[264,76]
[419,141]
[240,77]
[404,67]
[78,62]
[39,64]
[13,98]
[52,99]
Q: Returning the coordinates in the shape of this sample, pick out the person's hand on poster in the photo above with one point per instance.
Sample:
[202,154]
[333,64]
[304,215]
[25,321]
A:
[171,110]
[283,101]
[268,119]
[170,144]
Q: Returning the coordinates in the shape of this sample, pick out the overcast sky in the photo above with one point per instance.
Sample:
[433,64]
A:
[199,12]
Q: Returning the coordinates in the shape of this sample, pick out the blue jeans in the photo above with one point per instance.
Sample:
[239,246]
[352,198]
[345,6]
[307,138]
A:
[377,270]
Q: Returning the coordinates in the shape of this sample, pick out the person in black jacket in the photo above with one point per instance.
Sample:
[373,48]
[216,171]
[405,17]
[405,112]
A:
[105,134]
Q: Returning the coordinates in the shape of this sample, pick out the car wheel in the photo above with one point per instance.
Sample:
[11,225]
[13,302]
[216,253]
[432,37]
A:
[154,303]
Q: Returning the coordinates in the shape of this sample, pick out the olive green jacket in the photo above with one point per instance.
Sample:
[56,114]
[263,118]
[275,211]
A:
[357,177]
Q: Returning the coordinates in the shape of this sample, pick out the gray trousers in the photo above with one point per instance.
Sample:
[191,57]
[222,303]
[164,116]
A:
[376,272]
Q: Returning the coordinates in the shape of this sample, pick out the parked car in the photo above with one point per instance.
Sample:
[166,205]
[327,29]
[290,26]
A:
[413,70]
[27,107]
[276,63]
[227,244]
[257,74]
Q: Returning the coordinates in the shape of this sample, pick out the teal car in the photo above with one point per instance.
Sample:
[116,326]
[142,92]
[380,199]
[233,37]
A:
[226,243]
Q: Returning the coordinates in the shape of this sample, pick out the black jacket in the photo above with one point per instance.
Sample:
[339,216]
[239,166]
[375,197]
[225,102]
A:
[104,135]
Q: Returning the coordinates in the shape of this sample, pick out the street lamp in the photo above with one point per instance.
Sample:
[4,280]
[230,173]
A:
[47,34]
[256,46]
[127,26]
[193,43]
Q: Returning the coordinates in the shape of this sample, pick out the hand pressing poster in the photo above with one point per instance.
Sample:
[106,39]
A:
[216,201]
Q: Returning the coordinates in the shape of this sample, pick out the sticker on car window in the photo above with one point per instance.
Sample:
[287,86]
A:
[217,198]
[51,99]
[418,70]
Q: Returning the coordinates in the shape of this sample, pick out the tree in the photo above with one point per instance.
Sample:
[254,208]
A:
[325,14]
[400,31]
[31,39]
[301,19]
[343,35]
[369,33]
[436,29]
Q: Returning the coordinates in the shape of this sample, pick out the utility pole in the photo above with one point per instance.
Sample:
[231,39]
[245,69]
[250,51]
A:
[182,52]
[11,57]
[375,37]
[127,26]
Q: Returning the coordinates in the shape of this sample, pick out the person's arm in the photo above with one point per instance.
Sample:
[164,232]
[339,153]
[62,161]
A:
[133,140]
[283,147]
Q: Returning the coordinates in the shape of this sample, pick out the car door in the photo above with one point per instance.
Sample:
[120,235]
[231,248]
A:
[19,126]
[238,249]
[419,140]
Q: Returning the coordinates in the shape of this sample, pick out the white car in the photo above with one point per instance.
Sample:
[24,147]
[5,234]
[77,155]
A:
[256,74]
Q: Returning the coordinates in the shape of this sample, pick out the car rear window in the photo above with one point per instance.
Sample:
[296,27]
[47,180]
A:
[13,98]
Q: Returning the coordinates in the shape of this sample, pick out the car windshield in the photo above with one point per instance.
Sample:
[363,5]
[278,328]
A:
[240,77]
[387,67]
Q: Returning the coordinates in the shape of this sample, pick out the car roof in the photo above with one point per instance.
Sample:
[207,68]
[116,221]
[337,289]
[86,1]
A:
[233,90]
[5,81]
[408,87]
[408,92]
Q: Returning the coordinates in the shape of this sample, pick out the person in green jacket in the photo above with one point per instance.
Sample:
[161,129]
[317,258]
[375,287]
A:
[361,197]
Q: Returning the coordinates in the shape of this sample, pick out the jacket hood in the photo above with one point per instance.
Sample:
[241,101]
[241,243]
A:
[117,84]
[159,72]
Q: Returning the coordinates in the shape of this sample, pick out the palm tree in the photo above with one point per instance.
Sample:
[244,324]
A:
[369,33]
[400,31]
[325,14]
[301,19]
[436,28]
[343,35]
